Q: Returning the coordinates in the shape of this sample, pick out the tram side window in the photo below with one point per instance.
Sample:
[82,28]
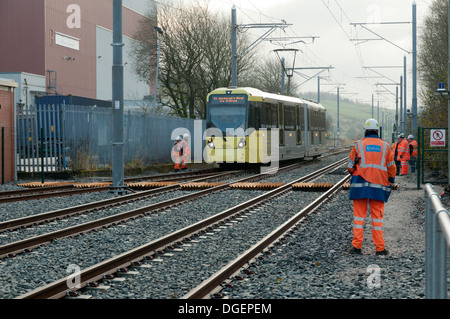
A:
[274,115]
[301,116]
[289,118]
[254,120]
[323,122]
[267,116]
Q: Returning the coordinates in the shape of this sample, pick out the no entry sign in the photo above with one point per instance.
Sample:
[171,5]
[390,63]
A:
[437,138]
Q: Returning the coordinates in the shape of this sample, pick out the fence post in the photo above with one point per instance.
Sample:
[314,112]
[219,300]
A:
[429,247]
[42,154]
[435,247]
[419,148]
[3,155]
[441,259]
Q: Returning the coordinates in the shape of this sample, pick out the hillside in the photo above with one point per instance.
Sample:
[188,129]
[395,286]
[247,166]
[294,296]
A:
[351,116]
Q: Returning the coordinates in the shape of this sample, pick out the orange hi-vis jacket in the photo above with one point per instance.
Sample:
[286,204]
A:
[185,152]
[403,150]
[176,153]
[393,149]
[373,175]
[415,146]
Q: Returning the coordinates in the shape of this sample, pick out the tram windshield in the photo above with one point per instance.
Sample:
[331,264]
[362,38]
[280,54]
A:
[227,113]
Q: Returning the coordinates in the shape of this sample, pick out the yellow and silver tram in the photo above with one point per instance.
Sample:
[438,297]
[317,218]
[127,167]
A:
[246,125]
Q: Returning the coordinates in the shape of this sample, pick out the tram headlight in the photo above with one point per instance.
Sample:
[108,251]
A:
[241,143]
[211,143]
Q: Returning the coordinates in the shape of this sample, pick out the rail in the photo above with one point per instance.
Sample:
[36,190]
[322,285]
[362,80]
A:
[96,272]
[210,284]
[437,242]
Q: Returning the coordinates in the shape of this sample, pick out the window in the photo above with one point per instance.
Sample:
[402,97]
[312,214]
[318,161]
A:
[289,118]
[254,120]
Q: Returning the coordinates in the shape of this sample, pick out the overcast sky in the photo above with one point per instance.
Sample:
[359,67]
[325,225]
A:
[335,43]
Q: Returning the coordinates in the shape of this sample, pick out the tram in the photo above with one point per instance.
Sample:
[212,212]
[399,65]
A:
[247,125]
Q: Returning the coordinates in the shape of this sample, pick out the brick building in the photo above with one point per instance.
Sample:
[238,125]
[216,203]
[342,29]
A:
[7,163]
[67,45]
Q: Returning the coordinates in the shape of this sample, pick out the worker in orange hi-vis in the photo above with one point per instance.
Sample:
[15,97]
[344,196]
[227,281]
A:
[373,169]
[176,158]
[185,152]
[394,148]
[413,150]
[403,154]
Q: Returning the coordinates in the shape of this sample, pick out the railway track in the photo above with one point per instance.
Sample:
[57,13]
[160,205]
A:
[46,217]
[96,272]
[27,245]
[38,190]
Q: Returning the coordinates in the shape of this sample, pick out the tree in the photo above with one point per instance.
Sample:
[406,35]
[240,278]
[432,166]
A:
[432,63]
[195,56]
[267,77]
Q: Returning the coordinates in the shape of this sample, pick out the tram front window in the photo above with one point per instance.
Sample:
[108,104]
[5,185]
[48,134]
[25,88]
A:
[227,118]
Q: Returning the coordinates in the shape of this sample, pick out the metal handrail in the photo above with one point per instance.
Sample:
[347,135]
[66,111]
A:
[437,242]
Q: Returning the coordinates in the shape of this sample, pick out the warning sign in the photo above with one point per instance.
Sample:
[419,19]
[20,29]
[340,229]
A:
[437,138]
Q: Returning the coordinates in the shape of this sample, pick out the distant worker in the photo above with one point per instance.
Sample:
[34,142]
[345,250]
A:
[413,150]
[176,158]
[395,153]
[403,154]
[372,166]
[185,152]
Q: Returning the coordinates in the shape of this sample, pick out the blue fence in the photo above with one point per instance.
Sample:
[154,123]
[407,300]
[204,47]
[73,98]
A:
[79,137]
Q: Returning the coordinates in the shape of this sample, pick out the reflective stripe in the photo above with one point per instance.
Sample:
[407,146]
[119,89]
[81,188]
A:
[350,163]
[375,220]
[377,228]
[360,219]
[367,184]
[358,226]
[383,168]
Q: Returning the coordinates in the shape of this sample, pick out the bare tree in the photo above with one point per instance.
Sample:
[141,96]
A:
[267,77]
[432,63]
[195,56]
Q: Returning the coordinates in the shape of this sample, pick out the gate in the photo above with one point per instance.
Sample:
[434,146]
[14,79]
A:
[432,160]
[40,138]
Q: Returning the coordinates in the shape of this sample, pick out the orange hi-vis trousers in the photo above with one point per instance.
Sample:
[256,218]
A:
[404,168]
[359,215]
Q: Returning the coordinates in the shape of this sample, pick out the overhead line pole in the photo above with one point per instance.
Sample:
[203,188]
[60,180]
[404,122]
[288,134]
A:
[234,28]
[414,63]
[117,105]
[233,47]
[414,72]
[404,94]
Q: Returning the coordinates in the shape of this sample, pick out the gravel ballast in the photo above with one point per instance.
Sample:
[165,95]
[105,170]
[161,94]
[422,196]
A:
[312,264]
[315,263]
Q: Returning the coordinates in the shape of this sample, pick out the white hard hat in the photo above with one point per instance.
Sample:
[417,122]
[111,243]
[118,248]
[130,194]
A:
[179,138]
[186,136]
[402,135]
[371,124]
[410,136]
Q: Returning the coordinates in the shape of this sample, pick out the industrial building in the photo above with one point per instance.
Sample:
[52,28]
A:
[63,47]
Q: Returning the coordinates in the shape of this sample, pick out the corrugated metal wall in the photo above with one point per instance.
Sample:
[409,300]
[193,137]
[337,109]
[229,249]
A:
[81,137]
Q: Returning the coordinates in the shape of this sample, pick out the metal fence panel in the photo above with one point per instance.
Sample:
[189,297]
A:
[432,161]
[79,137]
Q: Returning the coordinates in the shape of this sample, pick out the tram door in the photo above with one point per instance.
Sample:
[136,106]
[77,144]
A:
[298,124]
